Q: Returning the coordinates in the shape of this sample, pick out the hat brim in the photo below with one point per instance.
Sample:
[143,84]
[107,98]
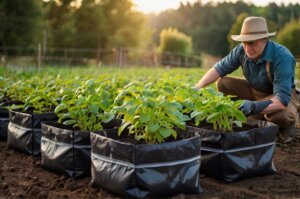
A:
[251,37]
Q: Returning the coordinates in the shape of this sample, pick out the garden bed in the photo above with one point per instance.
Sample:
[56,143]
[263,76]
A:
[22,177]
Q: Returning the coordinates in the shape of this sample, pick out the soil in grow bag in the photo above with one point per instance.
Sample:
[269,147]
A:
[142,170]
[232,156]
[4,120]
[24,131]
[66,150]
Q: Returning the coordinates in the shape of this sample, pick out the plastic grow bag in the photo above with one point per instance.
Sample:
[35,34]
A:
[142,170]
[4,120]
[24,131]
[238,155]
[67,151]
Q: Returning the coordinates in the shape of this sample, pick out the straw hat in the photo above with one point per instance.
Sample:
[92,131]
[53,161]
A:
[253,28]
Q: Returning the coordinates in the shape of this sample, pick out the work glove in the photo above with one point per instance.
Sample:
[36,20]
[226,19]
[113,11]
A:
[195,88]
[254,107]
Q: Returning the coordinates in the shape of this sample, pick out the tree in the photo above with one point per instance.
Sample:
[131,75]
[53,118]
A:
[20,22]
[289,36]
[91,25]
[125,27]
[235,29]
[59,15]
[208,24]
[109,23]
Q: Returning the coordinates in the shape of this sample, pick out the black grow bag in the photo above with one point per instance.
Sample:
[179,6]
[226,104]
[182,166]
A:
[67,151]
[24,131]
[238,155]
[141,170]
[4,120]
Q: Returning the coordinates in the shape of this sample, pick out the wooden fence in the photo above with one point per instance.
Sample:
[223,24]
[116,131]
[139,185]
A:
[18,56]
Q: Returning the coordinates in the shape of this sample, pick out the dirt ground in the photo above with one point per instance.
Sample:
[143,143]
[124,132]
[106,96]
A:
[21,176]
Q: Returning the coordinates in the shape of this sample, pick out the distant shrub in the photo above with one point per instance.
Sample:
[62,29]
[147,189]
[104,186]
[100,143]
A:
[235,29]
[289,36]
[171,40]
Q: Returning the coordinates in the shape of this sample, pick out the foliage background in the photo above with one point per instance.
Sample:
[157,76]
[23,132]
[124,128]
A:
[116,23]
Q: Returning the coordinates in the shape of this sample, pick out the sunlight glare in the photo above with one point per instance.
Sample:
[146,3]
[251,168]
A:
[156,6]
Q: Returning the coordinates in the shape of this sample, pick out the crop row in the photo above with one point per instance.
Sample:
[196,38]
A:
[150,108]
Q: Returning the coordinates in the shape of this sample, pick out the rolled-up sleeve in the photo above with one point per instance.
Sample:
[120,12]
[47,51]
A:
[229,63]
[283,80]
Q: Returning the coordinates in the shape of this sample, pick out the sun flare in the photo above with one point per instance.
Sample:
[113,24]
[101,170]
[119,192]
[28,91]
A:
[156,6]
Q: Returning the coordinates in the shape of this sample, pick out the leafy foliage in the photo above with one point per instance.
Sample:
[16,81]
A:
[219,110]
[87,107]
[209,24]
[289,36]
[235,29]
[171,40]
[151,106]
[20,22]
[148,114]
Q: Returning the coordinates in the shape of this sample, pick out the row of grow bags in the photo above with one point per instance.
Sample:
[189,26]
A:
[24,131]
[145,169]
[4,120]
[66,150]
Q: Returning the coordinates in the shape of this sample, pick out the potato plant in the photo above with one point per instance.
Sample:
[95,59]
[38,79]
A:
[152,104]
[218,110]
[45,97]
[148,114]
[87,107]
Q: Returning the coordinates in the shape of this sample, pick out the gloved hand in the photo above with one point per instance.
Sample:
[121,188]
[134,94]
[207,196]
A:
[254,107]
[195,88]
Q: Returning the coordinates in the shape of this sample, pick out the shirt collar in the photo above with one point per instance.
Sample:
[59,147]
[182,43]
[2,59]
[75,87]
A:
[267,54]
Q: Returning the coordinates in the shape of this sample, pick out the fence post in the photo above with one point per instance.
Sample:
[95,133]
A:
[120,57]
[39,58]
[45,38]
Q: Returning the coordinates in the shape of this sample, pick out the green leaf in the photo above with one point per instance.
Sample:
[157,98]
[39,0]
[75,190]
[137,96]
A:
[122,127]
[93,108]
[239,115]
[147,93]
[165,132]
[176,105]
[188,104]
[131,110]
[181,125]
[238,123]
[174,133]
[145,118]
[69,122]
[153,127]
[195,113]
[169,90]
[119,109]
[108,117]
[90,82]
[185,118]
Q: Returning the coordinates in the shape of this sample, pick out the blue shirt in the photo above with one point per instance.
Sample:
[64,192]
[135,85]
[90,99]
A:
[282,65]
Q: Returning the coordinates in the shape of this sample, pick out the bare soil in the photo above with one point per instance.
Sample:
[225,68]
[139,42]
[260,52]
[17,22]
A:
[21,176]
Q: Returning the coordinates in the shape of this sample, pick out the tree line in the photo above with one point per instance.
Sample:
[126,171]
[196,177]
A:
[209,24]
[103,24]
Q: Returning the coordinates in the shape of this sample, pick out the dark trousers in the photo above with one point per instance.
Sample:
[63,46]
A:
[242,90]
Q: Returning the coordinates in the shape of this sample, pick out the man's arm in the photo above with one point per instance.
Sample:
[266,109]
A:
[274,107]
[210,76]
[268,105]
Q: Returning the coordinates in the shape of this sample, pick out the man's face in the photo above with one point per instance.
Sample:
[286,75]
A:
[254,49]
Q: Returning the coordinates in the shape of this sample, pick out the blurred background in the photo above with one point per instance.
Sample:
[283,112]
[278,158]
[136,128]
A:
[173,33]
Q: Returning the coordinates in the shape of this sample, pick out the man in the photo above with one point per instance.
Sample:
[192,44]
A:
[268,67]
